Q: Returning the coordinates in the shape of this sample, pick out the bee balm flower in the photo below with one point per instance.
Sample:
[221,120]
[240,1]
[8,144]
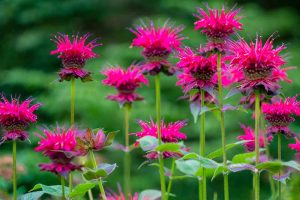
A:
[15,117]
[259,65]
[217,25]
[74,53]
[157,43]
[60,146]
[280,114]
[249,136]
[126,82]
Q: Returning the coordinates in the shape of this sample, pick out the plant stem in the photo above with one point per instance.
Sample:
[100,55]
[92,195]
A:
[171,179]
[279,158]
[99,180]
[14,152]
[160,158]
[257,117]
[220,88]
[127,158]
[72,113]
[202,183]
[90,195]
[62,180]
[263,128]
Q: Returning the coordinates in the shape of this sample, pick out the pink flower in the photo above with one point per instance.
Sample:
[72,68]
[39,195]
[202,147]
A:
[88,140]
[157,43]
[218,25]
[295,146]
[249,136]
[15,117]
[126,82]
[121,195]
[280,114]
[59,145]
[258,65]
[74,55]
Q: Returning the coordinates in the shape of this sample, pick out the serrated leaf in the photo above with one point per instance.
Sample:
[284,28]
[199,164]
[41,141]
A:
[81,189]
[189,167]
[219,152]
[150,195]
[148,143]
[54,190]
[31,196]
[171,147]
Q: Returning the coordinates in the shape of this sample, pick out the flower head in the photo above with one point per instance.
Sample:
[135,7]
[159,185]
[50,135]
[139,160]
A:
[88,140]
[59,145]
[126,82]
[280,114]
[157,43]
[121,195]
[74,53]
[249,137]
[295,146]
[218,25]
[258,65]
[16,116]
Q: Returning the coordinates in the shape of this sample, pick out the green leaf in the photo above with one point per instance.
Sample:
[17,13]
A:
[208,163]
[54,190]
[31,196]
[243,157]
[219,152]
[148,143]
[190,156]
[94,174]
[81,189]
[150,195]
[189,167]
[220,169]
[276,166]
[172,147]
[110,138]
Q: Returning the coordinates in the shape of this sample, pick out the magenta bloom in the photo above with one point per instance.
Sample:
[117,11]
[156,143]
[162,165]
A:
[218,25]
[157,43]
[15,117]
[74,54]
[295,146]
[249,136]
[258,65]
[59,145]
[121,195]
[126,82]
[280,114]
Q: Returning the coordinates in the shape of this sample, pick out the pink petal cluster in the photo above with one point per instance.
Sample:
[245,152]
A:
[121,195]
[157,43]
[295,146]
[59,145]
[126,82]
[280,114]
[249,137]
[218,25]
[15,117]
[257,65]
[74,53]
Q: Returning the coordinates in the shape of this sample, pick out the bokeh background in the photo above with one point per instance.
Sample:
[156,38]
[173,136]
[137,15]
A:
[28,70]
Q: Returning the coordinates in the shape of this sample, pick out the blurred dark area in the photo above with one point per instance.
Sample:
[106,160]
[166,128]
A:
[28,70]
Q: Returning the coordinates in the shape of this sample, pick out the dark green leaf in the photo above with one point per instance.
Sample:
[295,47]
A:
[219,152]
[243,157]
[81,189]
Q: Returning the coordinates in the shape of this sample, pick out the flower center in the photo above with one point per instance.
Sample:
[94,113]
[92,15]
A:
[204,74]
[280,120]
[254,72]
[156,53]
[73,60]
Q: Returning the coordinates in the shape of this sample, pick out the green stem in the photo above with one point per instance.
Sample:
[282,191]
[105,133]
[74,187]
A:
[257,117]
[220,88]
[279,158]
[160,158]
[90,194]
[171,178]
[202,183]
[263,128]
[62,180]
[127,158]
[14,151]
[99,180]
[72,113]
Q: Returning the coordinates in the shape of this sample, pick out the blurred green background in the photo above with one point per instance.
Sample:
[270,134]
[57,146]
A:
[27,69]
